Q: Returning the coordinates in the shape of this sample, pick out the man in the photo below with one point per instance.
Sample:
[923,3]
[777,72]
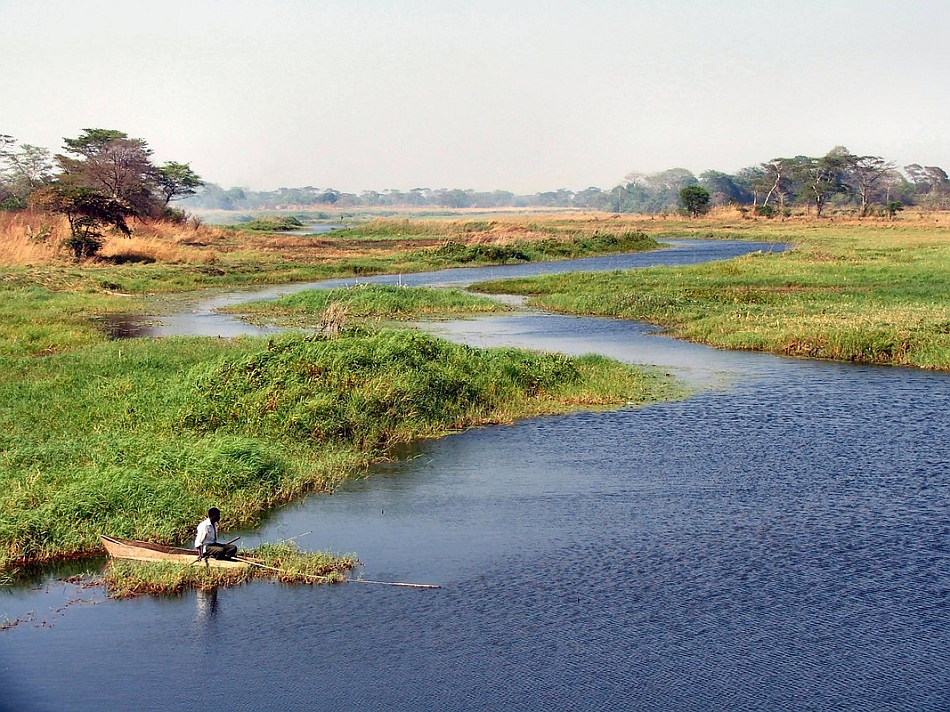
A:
[206,541]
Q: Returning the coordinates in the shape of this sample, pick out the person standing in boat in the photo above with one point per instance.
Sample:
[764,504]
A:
[206,541]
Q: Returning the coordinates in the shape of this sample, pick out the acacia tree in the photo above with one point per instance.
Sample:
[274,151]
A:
[931,182]
[114,164]
[177,180]
[88,211]
[866,174]
[778,180]
[23,169]
[822,177]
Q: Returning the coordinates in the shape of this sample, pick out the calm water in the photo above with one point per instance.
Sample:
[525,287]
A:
[777,542]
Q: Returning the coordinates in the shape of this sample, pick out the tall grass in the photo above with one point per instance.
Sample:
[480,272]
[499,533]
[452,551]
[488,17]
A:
[386,388]
[31,238]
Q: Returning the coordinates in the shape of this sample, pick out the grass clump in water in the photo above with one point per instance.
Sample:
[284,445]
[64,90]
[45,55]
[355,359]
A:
[138,438]
[367,301]
[271,223]
[281,563]
[390,387]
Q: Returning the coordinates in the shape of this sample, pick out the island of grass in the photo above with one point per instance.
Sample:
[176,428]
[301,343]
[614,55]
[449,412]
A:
[281,562]
[320,308]
[846,293]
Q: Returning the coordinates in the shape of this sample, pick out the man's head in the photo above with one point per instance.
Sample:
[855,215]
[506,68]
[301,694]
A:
[214,515]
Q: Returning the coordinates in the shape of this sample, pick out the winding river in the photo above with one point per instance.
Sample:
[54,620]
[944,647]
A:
[776,542]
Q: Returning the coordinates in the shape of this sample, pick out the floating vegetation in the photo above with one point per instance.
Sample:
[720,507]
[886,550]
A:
[282,563]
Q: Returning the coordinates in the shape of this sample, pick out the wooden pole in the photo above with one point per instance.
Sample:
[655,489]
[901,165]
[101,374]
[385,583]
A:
[326,578]
[396,583]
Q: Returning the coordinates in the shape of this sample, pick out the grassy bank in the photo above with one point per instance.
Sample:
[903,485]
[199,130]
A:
[138,438]
[282,563]
[862,293]
[319,307]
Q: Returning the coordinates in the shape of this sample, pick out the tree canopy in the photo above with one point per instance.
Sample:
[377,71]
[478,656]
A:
[104,177]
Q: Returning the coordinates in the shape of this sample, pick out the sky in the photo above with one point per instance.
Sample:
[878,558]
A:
[485,94]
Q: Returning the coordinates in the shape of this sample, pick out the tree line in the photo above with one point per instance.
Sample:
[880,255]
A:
[862,185]
[102,178]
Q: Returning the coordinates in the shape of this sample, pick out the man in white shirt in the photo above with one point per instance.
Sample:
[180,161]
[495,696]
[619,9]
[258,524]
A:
[206,541]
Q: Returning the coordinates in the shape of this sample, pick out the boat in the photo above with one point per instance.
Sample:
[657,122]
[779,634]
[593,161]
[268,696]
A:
[146,551]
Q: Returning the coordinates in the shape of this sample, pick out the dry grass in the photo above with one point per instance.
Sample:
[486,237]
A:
[34,238]
[31,238]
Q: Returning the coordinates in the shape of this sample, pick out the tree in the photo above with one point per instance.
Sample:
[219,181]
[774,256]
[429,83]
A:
[778,180]
[932,184]
[88,211]
[23,170]
[751,182]
[114,164]
[822,177]
[695,199]
[723,188]
[177,180]
[866,174]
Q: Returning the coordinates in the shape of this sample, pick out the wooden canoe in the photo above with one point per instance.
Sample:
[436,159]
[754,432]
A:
[146,551]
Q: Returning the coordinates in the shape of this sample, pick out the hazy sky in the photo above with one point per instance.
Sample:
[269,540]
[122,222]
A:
[485,94]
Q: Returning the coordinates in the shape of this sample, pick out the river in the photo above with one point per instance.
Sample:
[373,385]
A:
[778,541]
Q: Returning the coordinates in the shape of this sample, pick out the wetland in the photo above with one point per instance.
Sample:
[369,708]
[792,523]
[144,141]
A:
[775,539]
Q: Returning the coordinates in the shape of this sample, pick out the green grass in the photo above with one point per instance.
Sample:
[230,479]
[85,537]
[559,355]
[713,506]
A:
[844,294]
[369,301]
[138,438]
[126,579]
[270,223]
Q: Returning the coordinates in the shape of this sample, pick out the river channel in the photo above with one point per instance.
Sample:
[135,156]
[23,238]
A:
[778,541]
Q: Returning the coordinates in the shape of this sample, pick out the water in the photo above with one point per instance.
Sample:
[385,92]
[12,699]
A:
[202,318]
[776,542]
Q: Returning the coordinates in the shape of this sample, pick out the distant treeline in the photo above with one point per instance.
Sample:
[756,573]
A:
[840,179]
[104,176]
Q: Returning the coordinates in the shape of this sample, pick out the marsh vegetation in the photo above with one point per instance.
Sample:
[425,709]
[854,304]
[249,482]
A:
[281,562]
[846,292]
[136,438]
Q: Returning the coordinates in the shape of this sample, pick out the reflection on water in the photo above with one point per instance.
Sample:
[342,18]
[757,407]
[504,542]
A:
[206,605]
